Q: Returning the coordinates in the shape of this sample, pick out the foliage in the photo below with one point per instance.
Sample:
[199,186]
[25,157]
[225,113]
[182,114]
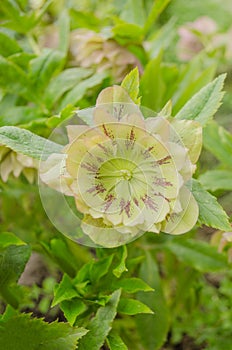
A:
[159,290]
[21,331]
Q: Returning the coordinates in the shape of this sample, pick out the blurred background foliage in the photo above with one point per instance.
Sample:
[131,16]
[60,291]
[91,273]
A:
[55,57]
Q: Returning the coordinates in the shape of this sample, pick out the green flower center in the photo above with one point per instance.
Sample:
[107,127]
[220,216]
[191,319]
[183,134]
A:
[126,174]
[118,180]
[115,170]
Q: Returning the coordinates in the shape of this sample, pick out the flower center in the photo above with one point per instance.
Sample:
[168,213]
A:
[116,169]
[126,174]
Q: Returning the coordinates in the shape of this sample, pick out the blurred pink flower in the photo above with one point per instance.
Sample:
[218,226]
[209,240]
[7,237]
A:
[194,36]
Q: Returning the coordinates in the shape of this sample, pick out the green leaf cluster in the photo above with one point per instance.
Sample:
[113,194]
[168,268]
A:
[154,292]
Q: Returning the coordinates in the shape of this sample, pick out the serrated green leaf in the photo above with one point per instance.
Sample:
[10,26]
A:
[152,86]
[162,38]
[72,308]
[84,273]
[8,45]
[100,268]
[186,77]
[100,326]
[66,113]
[20,115]
[133,307]
[8,238]
[14,80]
[65,290]
[121,267]
[169,74]
[64,31]
[22,332]
[78,92]
[131,84]
[210,211]
[22,59]
[199,255]
[41,11]
[63,82]
[214,180]
[7,102]
[133,285]
[134,12]
[11,8]
[19,18]
[83,19]
[191,82]
[24,141]
[115,342]
[44,67]
[13,260]
[16,19]
[222,150]
[156,10]
[133,263]
[205,103]
[153,329]
[127,33]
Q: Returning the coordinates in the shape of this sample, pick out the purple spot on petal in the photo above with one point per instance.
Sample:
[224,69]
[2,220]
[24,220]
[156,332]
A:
[118,111]
[164,160]
[109,200]
[99,188]
[131,138]
[146,153]
[90,167]
[125,206]
[132,135]
[148,201]
[158,194]
[136,201]
[108,132]
[160,181]
[105,149]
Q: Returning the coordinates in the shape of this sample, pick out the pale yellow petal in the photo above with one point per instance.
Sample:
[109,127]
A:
[159,126]
[29,174]
[6,167]
[75,131]
[190,134]
[184,221]
[104,235]
[113,94]
[179,154]
[53,173]
[17,167]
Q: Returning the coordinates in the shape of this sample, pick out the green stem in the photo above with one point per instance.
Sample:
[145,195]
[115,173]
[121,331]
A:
[33,44]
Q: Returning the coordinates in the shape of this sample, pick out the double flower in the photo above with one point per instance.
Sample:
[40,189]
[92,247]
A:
[127,173]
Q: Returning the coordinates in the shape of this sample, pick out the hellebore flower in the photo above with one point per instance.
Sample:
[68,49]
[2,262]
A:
[127,173]
[90,49]
[16,163]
